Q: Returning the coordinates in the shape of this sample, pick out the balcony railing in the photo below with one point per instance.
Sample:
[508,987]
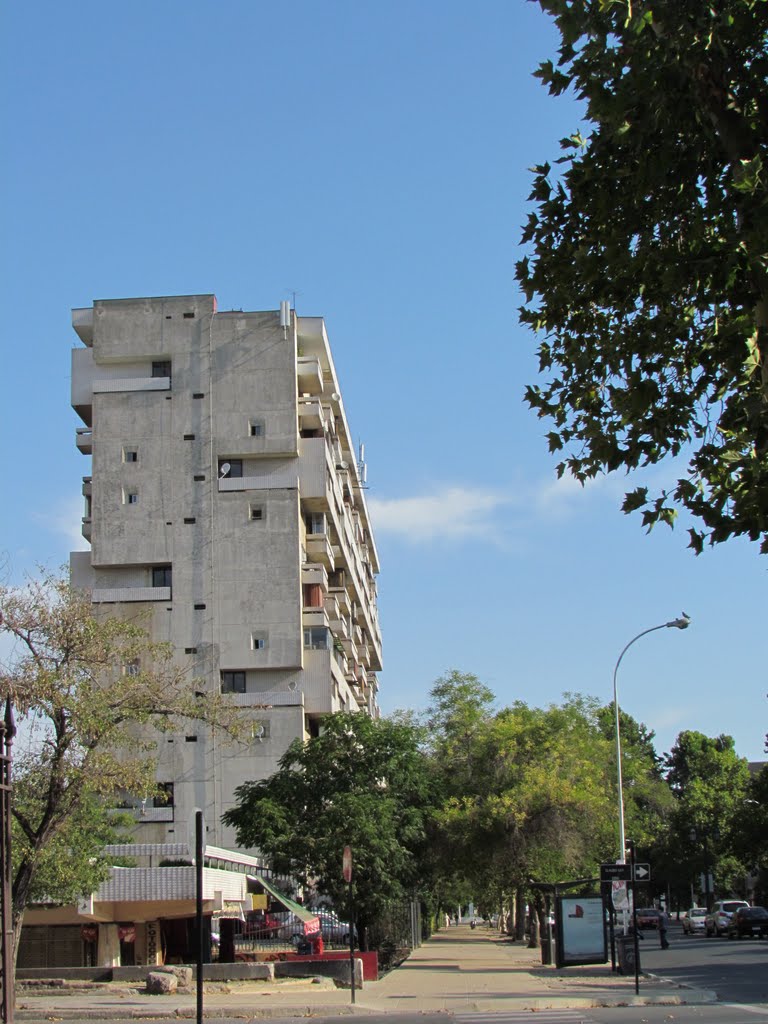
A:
[319,550]
[131,384]
[268,699]
[309,374]
[263,481]
[117,595]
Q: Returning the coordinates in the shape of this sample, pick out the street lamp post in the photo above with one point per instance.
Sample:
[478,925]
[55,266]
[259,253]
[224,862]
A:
[681,623]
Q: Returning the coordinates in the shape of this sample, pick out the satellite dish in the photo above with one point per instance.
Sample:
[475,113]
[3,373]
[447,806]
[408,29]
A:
[258,731]
[335,396]
[292,684]
[224,469]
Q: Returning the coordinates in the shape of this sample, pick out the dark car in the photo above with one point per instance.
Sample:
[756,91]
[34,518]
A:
[748,921]
[647,917]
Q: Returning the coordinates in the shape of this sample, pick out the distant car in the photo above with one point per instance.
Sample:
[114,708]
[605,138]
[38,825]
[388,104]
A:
[748,921]
[716,921]
[694,920]
[335,931]
[647,917]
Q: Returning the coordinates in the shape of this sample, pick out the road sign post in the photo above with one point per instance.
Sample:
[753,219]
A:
[346,868]
[615,872]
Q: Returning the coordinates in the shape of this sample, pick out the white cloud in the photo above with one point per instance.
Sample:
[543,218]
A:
[65,518]
[458,512]
[451,512]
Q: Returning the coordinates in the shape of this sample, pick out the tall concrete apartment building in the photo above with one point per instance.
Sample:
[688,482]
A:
[226,501]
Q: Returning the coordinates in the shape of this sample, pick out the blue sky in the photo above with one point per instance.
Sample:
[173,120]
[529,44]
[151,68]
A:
[372,159]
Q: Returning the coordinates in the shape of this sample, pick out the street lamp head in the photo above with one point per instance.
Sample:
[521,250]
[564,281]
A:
[682,623]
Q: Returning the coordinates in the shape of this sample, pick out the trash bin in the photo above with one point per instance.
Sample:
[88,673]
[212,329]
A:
[625,952]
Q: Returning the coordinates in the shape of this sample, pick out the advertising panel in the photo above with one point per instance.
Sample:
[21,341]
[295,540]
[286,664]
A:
[581,936]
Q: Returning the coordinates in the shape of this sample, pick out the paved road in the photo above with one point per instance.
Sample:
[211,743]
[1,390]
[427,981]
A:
[736,970]
[722,1013]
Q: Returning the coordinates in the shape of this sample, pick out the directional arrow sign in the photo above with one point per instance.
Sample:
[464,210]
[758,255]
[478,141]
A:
[615,872]
[642,872]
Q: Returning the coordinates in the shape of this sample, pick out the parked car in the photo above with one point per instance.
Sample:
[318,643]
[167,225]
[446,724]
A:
[260,925]
[647,917]
[716,921]
[748,921]
[334,930]
[694,920]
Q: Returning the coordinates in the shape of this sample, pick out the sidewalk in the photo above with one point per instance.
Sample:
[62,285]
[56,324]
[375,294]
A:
[458,970]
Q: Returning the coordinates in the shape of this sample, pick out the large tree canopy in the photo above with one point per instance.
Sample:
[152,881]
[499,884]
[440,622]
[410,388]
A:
[363,783]
[83,685]
[647,272]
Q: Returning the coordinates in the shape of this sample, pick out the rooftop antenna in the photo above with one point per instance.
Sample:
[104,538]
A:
[361,465]
[285,316]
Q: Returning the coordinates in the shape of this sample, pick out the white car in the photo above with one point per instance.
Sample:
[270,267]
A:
[694,920]
[716,922]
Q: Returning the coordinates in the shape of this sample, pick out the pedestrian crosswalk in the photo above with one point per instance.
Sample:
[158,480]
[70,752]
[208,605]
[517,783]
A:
[518,1016]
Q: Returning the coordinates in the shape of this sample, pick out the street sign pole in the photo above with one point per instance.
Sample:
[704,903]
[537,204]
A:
[347,872]
[632,885]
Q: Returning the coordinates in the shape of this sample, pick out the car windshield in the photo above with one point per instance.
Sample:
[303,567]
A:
[754,912]
[698,912]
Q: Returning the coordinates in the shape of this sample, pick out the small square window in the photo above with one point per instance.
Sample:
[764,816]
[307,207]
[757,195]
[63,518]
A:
[130,455]
[256,513]
[258,641]
[161,368]
[132,668]
[260,729]
[256,428]
[130,497]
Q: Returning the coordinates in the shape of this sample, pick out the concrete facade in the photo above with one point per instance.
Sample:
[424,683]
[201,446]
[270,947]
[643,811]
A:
[226,504]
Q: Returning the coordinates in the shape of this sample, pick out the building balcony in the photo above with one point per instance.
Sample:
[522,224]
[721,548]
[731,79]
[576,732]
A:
[350,648]
[118,595]
[331,606]
[319,549]
[309,374]
[311,414]
[84,440]
[341,595]
[312,572]
[313,617]
[115,384]
[86,528]
[87,486]
[82,321]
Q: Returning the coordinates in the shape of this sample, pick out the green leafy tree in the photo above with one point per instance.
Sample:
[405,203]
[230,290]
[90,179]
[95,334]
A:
[363,783]
[526,792]
[647,271]
[711,784]
[87,689]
